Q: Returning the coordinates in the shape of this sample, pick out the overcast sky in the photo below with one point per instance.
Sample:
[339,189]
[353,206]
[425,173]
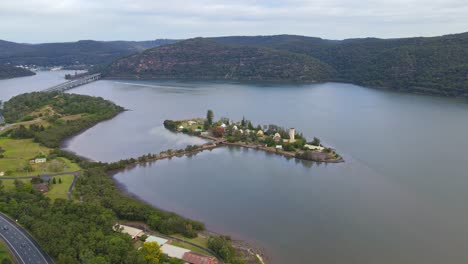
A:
[37,21]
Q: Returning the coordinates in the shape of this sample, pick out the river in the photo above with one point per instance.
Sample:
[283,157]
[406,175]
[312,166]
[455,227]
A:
[400,197]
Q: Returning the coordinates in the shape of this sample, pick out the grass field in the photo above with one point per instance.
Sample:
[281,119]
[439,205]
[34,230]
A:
[189,247]
[4,253]
[200,240]
[60,190]
[19,151]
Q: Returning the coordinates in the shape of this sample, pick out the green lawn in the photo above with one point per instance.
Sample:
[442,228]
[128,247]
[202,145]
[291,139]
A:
[59,190]
[4,253]
[199,240]
[189,247]
[19,151]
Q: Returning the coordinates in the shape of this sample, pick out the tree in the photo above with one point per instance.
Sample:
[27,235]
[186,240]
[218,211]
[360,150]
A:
[315,142]
[56,166]
[54,181]
[243,122]
[28,168]
[209,117]
[60,180]
[150,252]
[6,261]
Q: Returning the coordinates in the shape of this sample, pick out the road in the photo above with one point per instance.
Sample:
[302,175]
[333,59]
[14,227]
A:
[21,244]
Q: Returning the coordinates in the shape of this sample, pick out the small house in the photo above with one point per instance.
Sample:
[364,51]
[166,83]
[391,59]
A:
[191,122]
[41,187]
[223,125]
[234,127]
[312,147]
[241,131]
[279,147]
[32,161]
[40,160]
[197,258]
[173,251]
[259,133]
[180,128]
[2,173]
[277,137]
[132,231]
[219,131]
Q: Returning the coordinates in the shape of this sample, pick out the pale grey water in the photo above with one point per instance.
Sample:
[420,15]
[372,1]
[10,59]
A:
[399,198]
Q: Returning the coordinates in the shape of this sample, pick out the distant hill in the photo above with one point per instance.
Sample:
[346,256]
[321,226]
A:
[10,71]
[203,59]
[87,52]
[435,65]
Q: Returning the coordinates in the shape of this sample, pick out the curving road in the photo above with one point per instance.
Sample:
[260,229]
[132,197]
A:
[21,244]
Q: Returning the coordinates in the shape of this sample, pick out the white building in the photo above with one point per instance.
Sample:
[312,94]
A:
[312,147]
[132,231]
[191,122]
[40,160]
[173,251]
[292,132]
[277,137]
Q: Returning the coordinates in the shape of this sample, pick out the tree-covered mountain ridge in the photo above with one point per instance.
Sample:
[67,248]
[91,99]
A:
[9,71]
[203,59]
[84,52]
[429,65]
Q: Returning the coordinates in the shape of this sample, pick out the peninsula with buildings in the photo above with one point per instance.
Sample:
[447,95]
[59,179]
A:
[270,138]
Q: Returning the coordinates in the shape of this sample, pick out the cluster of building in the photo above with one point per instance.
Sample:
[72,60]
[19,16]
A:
[186,255]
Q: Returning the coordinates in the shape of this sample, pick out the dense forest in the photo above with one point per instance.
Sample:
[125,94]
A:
[434,65]
[205,59]
[91,110]
[9,71]
[87,52]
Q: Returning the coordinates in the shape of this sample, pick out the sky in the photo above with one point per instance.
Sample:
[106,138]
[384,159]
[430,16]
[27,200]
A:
[39,21]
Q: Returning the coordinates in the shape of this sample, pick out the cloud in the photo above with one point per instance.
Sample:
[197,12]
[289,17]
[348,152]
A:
[68,20]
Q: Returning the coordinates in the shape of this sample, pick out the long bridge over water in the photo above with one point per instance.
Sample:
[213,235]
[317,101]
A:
[74,83]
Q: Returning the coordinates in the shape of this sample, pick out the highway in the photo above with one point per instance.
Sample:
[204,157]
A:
[21,244]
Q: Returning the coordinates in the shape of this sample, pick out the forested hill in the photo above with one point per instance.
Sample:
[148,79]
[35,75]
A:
[10,71]
[207,60]
[435,65]
[87,52]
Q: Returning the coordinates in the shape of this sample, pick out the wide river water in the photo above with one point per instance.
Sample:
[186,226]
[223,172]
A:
[400,197]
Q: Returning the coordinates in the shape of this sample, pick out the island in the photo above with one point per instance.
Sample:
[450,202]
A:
[270,138]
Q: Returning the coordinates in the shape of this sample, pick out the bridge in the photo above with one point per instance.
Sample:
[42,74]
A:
[74,83]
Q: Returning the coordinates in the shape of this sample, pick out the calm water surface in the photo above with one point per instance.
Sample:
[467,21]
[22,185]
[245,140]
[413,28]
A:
[399,198]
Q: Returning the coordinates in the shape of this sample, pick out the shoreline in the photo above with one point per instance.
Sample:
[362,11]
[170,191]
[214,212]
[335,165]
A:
[239,243]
